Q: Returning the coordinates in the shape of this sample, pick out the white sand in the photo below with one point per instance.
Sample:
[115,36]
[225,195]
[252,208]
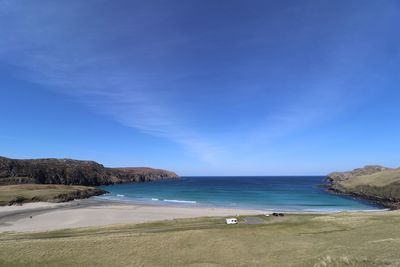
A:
[84,213]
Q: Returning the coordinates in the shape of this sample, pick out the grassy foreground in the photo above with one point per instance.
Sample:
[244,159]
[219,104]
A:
[22,193]
[347,239]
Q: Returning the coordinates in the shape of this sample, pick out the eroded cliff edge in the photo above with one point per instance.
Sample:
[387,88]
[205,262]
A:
[375,183]
[74,172]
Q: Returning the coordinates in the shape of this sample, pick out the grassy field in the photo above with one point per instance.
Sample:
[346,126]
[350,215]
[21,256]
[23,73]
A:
[385,184]
[36,192]
[347,239]
[378,179]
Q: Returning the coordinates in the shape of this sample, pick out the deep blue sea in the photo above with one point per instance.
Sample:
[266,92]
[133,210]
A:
[295,193]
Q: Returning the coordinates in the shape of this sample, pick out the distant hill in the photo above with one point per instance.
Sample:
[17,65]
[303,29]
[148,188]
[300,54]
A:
[73,172]
[375,183]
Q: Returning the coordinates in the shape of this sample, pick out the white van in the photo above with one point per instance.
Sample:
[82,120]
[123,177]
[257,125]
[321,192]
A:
[231,221]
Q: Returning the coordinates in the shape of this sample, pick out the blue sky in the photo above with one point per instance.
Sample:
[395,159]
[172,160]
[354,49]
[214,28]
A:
[202,87]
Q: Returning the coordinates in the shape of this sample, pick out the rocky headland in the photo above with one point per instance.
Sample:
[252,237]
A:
[74,172]
[377,184]
[60,180]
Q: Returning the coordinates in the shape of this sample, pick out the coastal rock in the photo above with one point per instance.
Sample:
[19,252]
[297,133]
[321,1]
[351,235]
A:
[73,172]
[375,183]
[79,194]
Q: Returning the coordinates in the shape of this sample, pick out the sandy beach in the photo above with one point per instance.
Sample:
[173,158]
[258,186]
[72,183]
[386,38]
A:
[43,216]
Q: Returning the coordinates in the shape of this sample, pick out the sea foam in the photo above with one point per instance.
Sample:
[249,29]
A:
[180,201]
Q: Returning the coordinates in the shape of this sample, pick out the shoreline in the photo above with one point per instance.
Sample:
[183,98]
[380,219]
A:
[195,205]
[46,216]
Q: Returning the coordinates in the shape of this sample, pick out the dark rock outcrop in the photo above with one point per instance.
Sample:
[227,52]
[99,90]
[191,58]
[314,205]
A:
[87,192]
[73,172]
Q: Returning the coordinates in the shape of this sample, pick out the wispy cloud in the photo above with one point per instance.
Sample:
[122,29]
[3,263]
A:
[104,63]
[100,80]
[121,97]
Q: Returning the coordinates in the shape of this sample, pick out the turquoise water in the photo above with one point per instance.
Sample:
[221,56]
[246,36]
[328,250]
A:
[295,193]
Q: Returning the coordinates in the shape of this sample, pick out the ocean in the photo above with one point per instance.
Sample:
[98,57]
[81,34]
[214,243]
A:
[269,193]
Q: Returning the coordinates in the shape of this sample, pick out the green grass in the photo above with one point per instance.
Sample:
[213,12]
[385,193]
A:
[385,184]
[34,192]
[378,179]
[346,239]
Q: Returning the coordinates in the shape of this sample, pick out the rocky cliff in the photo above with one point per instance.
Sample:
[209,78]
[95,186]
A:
[377,184]
[73,172]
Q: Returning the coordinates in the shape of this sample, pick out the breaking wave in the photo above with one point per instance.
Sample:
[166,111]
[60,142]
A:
[180,201]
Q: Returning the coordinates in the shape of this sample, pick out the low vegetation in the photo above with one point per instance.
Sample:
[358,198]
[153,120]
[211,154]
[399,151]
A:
[346,239]
[375,183]
[378,179]
[73,172]
[23,193]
